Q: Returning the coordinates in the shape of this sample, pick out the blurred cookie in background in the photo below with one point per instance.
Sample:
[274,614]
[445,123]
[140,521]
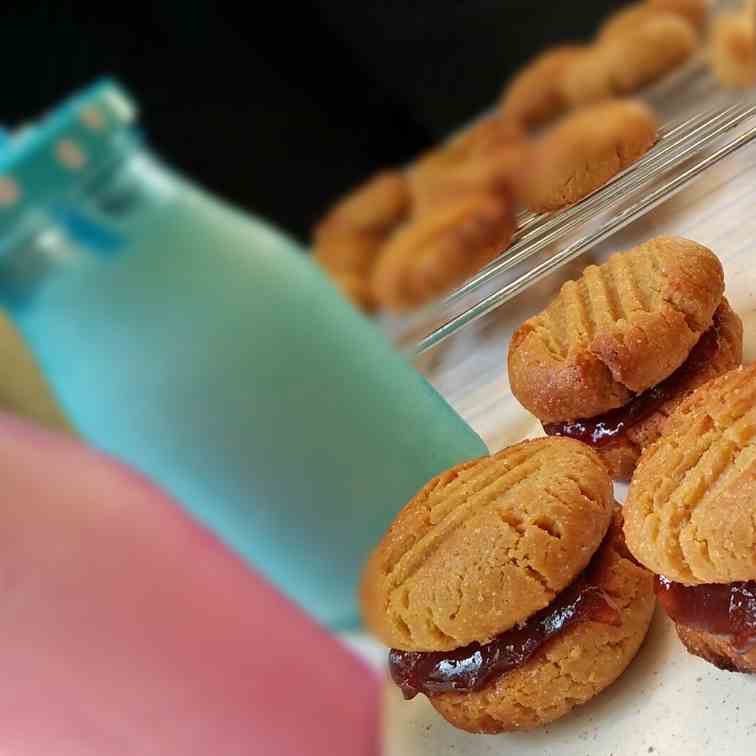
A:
[732,52]
[441,249]
[349,239]
[584,151]
[534,95]
[484,159]
[629,58]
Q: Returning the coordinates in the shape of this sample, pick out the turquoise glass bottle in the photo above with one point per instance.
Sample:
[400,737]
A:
[202,346]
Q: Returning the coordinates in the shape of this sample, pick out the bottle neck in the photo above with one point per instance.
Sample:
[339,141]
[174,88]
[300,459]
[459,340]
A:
[88,228]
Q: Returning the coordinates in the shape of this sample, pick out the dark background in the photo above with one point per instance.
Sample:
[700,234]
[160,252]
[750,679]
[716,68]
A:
[281,109]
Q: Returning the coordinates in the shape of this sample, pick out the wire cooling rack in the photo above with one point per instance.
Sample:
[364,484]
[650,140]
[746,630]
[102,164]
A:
[685,149]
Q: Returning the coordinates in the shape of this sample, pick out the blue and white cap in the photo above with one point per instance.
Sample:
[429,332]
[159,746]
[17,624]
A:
[47,163]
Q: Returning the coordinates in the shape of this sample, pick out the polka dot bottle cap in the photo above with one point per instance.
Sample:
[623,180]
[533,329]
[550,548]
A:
[50,161]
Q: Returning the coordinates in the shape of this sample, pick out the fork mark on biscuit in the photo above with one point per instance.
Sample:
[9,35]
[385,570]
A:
[626,283]
[457,511]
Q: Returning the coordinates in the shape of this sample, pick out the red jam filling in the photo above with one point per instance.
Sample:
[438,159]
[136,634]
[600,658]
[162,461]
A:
[476,665]
[720,609]
[603,429]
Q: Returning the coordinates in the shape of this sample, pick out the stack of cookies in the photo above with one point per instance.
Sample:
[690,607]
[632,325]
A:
[513,588]
[691,519]
[618,349]
[505,590]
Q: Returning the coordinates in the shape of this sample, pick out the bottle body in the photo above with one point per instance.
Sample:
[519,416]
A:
[199,345]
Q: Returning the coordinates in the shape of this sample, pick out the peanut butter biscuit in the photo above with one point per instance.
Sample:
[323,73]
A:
[486,544]
[618,330]
[575,666]
[534,96]
[483,159]
[694,12]
[624,63]
[690,512]
[354,253]
[440,249]
[718,350]
[632,16]
[733,49]
[376,207]
[584,151]
[717,650]
[356,288]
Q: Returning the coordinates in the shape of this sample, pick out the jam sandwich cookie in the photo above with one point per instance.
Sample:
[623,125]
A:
[690,517]
[618,349]
[505,591]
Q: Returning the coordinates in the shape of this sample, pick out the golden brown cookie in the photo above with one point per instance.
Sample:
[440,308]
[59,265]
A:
[626,19]
[625,63]
[716,649]
[486,544]
[694,12]
[354,253]
[494,173]
[621,328]
[718,350]
[534,95]
[573,667]
[483,159]
[733,49]
[348,258]
[484,137]
[356,288]
[632,16]
[440,249]
[584,151]
[690,513]
[375,208]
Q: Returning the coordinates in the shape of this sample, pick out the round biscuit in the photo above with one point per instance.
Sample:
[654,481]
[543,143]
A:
[621,455]
[375,207]
[572,668]
[486,544]
[621,328]
[430,255]
[695,12]
[690,513]
[629,18]
[626,62]
[717,650]
[584,151]
[733,49]
[534,95]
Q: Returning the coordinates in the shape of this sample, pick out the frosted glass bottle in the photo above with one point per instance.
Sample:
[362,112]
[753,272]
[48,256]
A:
[201,346]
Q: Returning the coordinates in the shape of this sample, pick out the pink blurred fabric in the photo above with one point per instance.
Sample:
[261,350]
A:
[125,628]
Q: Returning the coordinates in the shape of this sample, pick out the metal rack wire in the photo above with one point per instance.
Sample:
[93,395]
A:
[685,149]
